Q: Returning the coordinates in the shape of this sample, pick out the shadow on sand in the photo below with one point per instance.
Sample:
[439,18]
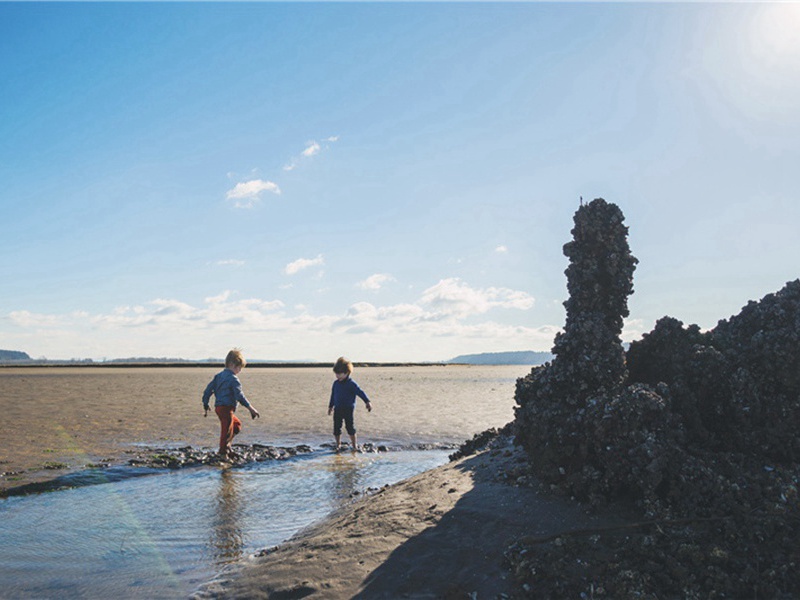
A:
[463,554]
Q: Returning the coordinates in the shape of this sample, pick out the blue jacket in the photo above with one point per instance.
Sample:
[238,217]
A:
[227,389]
[343,394]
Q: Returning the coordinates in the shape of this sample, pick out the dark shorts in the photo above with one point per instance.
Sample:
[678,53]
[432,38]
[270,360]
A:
[343,414]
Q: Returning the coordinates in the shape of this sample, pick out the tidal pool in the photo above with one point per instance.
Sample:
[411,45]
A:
[163,535]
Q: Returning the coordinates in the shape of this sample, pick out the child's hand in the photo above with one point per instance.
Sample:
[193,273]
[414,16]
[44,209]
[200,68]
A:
[205,412]
[254,413]
[330,410]
[369,407]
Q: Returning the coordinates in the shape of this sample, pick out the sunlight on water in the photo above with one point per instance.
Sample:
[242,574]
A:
[162,536]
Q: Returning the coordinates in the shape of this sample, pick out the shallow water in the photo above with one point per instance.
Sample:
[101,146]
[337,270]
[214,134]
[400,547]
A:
[164,535]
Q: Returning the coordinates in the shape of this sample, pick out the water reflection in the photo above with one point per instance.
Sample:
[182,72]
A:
[227,538]
[163,536]
[346,475]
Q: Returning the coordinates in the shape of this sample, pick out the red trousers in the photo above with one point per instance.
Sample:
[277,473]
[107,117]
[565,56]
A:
[229,426]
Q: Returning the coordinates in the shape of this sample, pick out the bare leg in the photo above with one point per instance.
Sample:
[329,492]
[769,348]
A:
[338,441]
[353,441]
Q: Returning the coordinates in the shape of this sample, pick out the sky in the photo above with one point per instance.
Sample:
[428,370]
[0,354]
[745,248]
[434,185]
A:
[384,181]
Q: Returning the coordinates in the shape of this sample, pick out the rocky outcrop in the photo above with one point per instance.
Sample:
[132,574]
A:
[696,431]
[736,387]
[556,399]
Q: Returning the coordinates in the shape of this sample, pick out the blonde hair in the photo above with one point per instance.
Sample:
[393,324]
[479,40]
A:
[235,358]
[343,366]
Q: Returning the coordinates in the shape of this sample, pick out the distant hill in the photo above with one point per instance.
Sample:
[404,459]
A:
[13,355]
[525,357]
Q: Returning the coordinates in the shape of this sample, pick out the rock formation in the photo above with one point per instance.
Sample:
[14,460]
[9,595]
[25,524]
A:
[697,432]
[556,399]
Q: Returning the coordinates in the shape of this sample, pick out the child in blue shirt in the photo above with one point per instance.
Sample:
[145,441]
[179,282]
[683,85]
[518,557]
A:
[343,402]
[227,390]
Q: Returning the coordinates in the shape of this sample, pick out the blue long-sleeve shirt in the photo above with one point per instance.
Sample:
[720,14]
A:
[227,390]
[343,394]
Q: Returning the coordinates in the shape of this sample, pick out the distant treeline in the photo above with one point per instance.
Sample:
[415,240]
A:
[122,363]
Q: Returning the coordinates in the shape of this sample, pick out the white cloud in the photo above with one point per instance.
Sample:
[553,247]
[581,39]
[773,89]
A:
[413,326]
[453,298]
[164,314]
[223,297]
[363,317]
[229,262]
[171,309]
[303,263]
[29,320]
[374,282]
[312,149]
[633,329]
[246,194]
[439,313]
[444,321]
[501,249]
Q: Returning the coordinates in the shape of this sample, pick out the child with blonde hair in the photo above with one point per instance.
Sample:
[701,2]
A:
[227,390]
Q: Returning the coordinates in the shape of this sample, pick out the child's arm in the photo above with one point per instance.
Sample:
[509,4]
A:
[363,395]
[207,396]
[238,394]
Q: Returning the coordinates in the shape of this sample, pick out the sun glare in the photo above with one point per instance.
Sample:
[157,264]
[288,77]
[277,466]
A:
[776,34]
[752,61]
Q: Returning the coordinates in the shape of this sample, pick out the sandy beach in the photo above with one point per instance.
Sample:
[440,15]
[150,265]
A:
[440,534]
[67,418]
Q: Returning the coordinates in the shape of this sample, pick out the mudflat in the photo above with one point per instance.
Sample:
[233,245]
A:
[65,419]
[61,419]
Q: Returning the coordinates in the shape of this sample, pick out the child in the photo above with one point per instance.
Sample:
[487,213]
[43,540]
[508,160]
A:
[343,401]
[227,389]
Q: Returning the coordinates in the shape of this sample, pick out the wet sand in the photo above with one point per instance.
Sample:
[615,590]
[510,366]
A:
[440,534]
[48,435]
[61,419]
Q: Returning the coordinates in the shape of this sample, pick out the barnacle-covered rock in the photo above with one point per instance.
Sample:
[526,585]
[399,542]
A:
[697,430]
[589,353]
[589,357]
[737,387]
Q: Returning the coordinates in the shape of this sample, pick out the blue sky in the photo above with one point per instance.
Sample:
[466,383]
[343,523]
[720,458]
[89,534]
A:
[387,181]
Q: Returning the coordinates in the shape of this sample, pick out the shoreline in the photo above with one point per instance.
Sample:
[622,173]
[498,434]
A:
[156,460]
[440,534]
[221,363]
